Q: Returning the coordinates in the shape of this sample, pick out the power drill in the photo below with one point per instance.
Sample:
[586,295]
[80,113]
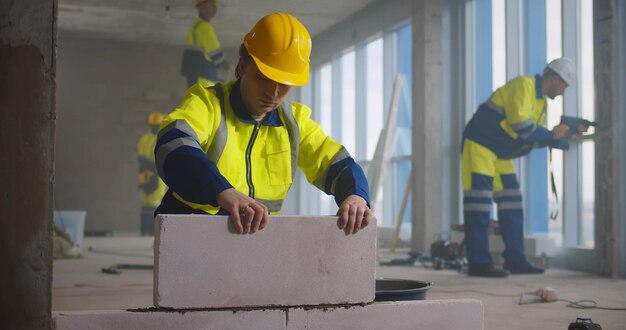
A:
[572,123]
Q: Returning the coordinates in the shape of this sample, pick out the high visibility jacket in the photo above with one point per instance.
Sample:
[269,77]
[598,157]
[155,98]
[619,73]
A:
[153,187]
[210,143]
[513,120]
[201,35]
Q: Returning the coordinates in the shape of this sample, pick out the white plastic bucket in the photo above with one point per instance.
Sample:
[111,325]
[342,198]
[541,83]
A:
[73,223]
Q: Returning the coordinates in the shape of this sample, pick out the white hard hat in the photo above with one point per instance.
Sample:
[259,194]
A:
[565,68]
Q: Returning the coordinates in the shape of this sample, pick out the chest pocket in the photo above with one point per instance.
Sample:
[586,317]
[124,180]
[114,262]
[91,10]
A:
[279,158]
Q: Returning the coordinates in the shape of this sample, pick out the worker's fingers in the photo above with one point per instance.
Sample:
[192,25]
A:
[350,222]
[367,218]
[354,214]
[358,219]
[265,215]
[344,215]
[257,217]
[247,214]
[264,219]
[235,219]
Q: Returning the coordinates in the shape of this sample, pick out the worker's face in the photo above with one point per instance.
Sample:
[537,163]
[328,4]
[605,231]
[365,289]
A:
[557,87]
[208,10]
[260,94]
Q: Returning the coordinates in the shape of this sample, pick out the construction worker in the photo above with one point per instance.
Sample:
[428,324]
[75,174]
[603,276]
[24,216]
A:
[148,180]
[203,60]
[233,148]
[505,127]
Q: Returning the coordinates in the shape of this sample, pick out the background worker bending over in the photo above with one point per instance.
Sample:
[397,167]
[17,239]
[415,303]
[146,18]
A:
[507,126]
[233,148]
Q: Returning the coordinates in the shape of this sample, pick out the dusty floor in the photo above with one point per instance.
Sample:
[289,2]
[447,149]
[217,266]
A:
[79,284]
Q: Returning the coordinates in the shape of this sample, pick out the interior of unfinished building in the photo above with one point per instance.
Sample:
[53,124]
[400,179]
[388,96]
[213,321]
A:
[398,84]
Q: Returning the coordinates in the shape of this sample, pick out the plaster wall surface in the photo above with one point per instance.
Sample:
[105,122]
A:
[201,263]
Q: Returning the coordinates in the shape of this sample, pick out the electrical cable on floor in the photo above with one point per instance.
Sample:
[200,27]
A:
[121,254]
[545,295]
[103,286]
[580,304]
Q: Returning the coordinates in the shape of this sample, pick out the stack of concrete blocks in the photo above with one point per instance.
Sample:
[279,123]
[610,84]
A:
[297,273]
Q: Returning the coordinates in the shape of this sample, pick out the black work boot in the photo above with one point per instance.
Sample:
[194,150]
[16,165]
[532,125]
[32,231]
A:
[486,270]
[523,267]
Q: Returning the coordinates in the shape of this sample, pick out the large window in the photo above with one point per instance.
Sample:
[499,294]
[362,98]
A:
[349,100]
[374,93]
[554,47]
[575,218]
[325,108]
[586,239]
[568,32]
[348,106]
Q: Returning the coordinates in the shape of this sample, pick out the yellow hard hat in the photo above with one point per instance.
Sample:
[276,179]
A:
[199,2]
[155,118]
[281,47]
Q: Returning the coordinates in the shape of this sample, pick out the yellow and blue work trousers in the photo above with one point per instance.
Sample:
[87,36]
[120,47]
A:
[485,178]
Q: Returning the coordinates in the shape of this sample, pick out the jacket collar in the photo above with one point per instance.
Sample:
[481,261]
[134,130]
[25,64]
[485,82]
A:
[236,102]
[538,93]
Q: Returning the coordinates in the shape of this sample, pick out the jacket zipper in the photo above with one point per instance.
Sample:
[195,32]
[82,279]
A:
[248,158]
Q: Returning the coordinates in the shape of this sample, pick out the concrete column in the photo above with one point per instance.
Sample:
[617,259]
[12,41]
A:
[610,158]
[27,126]
[427,108]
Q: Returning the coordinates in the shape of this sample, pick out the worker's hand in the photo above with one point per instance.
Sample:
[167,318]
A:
[580,130]
[246,214]
[354,214]
[560,131]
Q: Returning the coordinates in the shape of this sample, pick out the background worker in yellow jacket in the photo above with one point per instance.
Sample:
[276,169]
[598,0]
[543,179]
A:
[148,180]
[203,60]
[233,148]
[505,127]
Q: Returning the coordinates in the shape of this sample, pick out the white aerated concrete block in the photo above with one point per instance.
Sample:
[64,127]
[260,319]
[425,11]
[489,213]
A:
[466,314]
[539,246]
[200,262]
[168,320]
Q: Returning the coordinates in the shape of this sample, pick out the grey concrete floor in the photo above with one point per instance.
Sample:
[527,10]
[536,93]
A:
[79,284]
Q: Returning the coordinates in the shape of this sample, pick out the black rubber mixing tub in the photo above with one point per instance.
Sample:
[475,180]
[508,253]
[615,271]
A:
[391,289]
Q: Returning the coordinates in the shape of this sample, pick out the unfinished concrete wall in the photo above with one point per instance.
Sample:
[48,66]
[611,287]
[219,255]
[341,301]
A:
[27,112]
[106,90]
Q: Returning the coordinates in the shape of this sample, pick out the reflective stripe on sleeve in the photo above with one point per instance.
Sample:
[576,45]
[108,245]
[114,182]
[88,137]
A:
[180,125]
[494,107]
[219,140]
[164,150]
[321,181]
[525,128]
